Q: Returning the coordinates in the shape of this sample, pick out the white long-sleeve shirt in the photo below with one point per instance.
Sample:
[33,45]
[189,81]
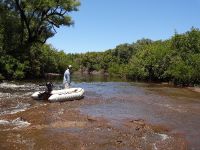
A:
[66,78]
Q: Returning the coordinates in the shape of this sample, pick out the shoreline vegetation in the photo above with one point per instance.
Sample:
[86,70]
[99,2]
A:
[145,60]
[25,55]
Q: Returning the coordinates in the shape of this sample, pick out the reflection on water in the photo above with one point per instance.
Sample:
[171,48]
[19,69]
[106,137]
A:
[177,108]
[95,78]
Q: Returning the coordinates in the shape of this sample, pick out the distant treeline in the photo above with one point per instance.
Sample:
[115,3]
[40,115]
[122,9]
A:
[175,60]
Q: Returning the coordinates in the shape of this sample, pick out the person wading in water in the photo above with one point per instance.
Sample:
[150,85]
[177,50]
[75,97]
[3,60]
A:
[66,78]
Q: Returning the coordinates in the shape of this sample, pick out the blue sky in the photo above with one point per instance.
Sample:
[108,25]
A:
[103,24]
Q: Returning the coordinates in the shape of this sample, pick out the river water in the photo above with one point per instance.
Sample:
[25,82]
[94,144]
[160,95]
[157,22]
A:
[178,109]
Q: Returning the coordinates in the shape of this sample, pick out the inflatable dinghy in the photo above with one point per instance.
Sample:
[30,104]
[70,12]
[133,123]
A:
[61,95]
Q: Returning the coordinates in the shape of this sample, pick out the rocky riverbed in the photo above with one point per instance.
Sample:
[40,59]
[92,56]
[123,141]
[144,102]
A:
[112,115]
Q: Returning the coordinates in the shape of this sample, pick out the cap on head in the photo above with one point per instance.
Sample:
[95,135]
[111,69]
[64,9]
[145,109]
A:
[69,66]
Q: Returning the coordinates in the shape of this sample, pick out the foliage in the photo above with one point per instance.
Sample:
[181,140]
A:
[185,65]
[39,18]
[181,72]
[151,61]
[26,25]
[1,77]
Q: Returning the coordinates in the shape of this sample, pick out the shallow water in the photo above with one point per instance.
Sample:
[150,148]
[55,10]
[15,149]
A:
[175,108]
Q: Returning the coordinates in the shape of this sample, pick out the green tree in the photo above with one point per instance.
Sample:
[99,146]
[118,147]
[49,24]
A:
[151,61]
[123,53]
[39,18]
[24,26]
[184,67]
